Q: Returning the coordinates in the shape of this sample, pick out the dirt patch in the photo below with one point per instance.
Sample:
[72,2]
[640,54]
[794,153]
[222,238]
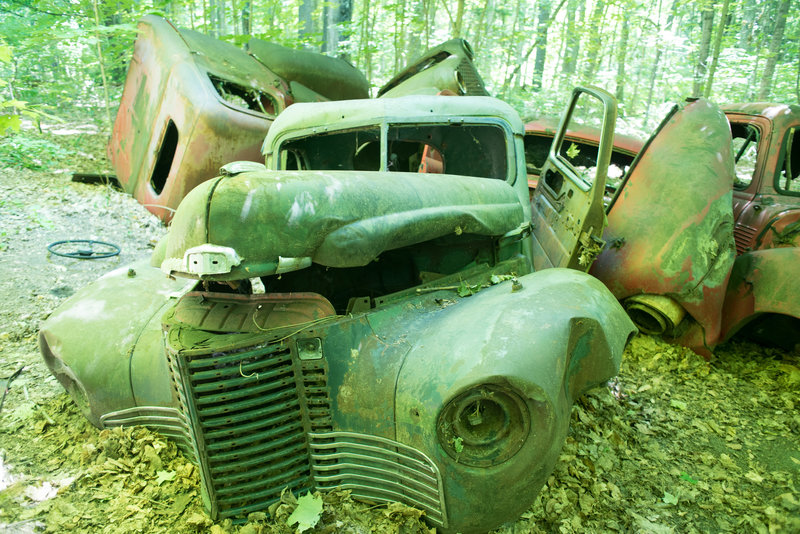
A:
[674,444]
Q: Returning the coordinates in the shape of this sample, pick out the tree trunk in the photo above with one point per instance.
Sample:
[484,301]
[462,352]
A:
[458,25]
[335,14]
[594,42]
[774,50]
[707,22]
[717,45]
[745,41]
[398,38]
[525,57]
[247,21]
[572,40]
[541,44]
[305,13]
[657,61]
[485,22]
[622,53]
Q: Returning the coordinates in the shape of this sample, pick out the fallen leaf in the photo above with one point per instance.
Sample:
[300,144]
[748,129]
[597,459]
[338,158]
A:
[307,513]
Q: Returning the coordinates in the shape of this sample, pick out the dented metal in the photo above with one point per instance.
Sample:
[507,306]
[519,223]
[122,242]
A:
[192,103]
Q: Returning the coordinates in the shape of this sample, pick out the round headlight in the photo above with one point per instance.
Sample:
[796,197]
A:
[484,426]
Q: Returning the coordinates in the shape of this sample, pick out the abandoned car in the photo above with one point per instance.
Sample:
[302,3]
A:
[192,103]
[674,281]
[344,318]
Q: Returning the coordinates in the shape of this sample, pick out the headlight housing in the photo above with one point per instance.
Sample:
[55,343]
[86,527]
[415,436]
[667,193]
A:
[484,426]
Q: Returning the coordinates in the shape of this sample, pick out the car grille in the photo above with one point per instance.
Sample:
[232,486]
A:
[260,423]
[744,236]
[166,421]
[472,80]
[250,412]
[379,470]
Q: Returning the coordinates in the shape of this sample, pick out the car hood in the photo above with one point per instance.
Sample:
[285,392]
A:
[267,222]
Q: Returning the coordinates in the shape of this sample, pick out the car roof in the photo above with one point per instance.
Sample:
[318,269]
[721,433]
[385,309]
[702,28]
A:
[779,114]
[331,116]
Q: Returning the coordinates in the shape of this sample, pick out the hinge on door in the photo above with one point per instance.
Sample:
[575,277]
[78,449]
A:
[590,247]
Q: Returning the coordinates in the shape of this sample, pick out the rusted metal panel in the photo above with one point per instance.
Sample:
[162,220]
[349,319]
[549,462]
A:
[444,68]
[190,104]
[763,282]
[670,226]
[330,78]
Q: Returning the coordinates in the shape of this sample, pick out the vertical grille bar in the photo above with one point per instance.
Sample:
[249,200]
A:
[249,421]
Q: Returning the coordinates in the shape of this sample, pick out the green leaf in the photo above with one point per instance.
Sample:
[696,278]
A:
[464,290]
[495,279]
[307,513]
[680,405]
[5,53]
[685,476]
[458,444]
[9,121]
[164,476]
[670,498]
[573,151]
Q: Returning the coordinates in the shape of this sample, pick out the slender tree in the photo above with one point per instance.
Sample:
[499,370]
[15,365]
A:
[774,50]
[540,43]
[706,25]
[717,45]
[594,41]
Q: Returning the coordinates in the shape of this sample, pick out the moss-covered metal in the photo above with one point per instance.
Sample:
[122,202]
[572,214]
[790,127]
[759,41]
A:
[378,331]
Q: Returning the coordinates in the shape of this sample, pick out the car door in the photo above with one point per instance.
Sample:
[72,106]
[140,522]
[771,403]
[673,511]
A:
[567,207]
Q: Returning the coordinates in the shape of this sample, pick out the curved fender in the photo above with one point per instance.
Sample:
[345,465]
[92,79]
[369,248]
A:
[91,340]
[670,227]
[762,282]
[548,342]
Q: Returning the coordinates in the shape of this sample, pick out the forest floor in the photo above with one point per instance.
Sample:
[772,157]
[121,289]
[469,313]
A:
[673,444]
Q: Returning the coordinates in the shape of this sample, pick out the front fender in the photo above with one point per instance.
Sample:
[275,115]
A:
[540,346]
[91,342]
[762,282]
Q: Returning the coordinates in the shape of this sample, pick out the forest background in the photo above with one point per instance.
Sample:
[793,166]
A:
[67,59]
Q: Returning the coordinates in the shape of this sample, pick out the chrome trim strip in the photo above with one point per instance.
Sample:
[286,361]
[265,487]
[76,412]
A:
[379,469]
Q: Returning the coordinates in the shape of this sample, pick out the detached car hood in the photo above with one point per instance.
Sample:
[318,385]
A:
[267,222]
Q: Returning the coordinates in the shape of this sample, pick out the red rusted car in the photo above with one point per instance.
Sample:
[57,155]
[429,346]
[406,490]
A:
[192,103]
[703,234]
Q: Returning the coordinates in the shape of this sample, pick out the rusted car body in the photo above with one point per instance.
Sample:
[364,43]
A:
[342,318]
[699,251]
[192,103]
[762,292]
[447,68]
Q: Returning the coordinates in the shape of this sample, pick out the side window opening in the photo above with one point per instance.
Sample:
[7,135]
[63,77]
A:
[788,179]
[745,153]
[166,154]
[585,156]
[244,97]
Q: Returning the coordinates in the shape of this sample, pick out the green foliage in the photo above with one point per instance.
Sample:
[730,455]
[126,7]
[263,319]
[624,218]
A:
[36,153]
[9,116]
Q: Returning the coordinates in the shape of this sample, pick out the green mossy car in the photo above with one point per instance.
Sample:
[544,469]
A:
[363,313]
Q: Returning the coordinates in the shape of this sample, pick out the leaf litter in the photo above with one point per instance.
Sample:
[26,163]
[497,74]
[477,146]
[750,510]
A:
[673,444]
